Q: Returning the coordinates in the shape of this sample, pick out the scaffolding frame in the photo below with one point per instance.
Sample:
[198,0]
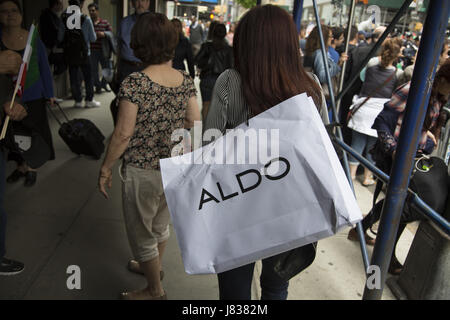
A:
[421,84]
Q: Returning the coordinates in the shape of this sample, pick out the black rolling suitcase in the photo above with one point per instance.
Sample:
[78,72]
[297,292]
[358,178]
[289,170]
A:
[81,136]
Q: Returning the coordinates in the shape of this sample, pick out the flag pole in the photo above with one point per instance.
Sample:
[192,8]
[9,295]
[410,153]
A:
[5,125]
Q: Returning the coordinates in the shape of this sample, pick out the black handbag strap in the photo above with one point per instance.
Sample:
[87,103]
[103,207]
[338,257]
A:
[354,110]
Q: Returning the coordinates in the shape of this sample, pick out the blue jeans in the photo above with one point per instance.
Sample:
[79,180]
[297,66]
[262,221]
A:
[2,207]
[75,82]
[361,142]
[236,284]
[96,58]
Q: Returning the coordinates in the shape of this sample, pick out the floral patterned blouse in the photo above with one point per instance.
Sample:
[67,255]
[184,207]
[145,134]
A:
[161,110]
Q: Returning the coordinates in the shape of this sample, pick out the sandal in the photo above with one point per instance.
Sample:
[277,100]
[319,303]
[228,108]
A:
[134,267]
[368,182]
[353,236]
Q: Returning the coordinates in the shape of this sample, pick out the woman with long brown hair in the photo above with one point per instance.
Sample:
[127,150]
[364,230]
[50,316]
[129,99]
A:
[267,71]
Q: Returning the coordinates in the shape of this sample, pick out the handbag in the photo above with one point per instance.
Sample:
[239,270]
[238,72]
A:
[32,147]
[430,181]
[353,110]
[289,264]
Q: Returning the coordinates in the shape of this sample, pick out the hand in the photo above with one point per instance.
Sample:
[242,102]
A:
[432,137]
[343,58]
[105,180]
[10,62]
[100,34]
[17,112]
[52,102]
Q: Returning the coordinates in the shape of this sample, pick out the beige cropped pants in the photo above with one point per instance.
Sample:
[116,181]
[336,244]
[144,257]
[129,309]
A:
[145,211]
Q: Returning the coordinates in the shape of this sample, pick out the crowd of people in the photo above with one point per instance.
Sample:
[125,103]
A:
[240,77]
[374,104]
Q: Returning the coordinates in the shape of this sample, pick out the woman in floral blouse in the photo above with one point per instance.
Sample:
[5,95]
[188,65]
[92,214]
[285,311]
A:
[152,105]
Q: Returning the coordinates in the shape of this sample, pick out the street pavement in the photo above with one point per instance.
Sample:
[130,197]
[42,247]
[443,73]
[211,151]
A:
[64,221]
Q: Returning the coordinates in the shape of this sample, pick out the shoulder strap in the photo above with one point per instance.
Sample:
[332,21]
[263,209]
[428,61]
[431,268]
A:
[354,110]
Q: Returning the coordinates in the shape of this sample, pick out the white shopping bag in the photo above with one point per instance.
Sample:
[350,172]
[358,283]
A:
[228,215]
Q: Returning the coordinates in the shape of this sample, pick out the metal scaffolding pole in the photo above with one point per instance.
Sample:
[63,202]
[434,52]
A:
[372,52]
[298,12]
[324,50]
[416,108]
[351,16]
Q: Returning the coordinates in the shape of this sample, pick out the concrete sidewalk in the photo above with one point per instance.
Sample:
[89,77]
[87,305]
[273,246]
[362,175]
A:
[63,220]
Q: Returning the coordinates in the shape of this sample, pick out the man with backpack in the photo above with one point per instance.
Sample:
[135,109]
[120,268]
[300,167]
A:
[77,53]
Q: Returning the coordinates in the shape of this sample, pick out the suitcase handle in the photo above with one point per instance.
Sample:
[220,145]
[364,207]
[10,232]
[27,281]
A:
[53,114]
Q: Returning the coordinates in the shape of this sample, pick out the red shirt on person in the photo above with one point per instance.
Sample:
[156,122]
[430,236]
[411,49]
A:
[100,26]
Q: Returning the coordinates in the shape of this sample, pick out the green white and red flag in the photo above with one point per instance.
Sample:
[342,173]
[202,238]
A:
[29,70]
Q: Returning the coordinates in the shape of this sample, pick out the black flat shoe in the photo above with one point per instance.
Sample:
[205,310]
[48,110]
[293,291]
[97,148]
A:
[10,267]
[15,176]
[30,178]
[395,267]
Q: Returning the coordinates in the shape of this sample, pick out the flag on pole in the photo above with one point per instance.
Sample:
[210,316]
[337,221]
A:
[29,70]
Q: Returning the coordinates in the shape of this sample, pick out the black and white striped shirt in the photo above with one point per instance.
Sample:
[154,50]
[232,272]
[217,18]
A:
[228,107]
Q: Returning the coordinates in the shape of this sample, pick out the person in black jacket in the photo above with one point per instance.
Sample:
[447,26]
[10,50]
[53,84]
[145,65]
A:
[50,24]
[214,58]
[51,30]
[183,50]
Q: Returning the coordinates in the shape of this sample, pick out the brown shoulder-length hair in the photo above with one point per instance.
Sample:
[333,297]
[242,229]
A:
[313,41]
[389,52]
[267,57]
[154,39]
[177,25]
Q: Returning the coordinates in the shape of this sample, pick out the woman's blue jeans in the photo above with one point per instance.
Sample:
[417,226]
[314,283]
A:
[361,142]
[236,284]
